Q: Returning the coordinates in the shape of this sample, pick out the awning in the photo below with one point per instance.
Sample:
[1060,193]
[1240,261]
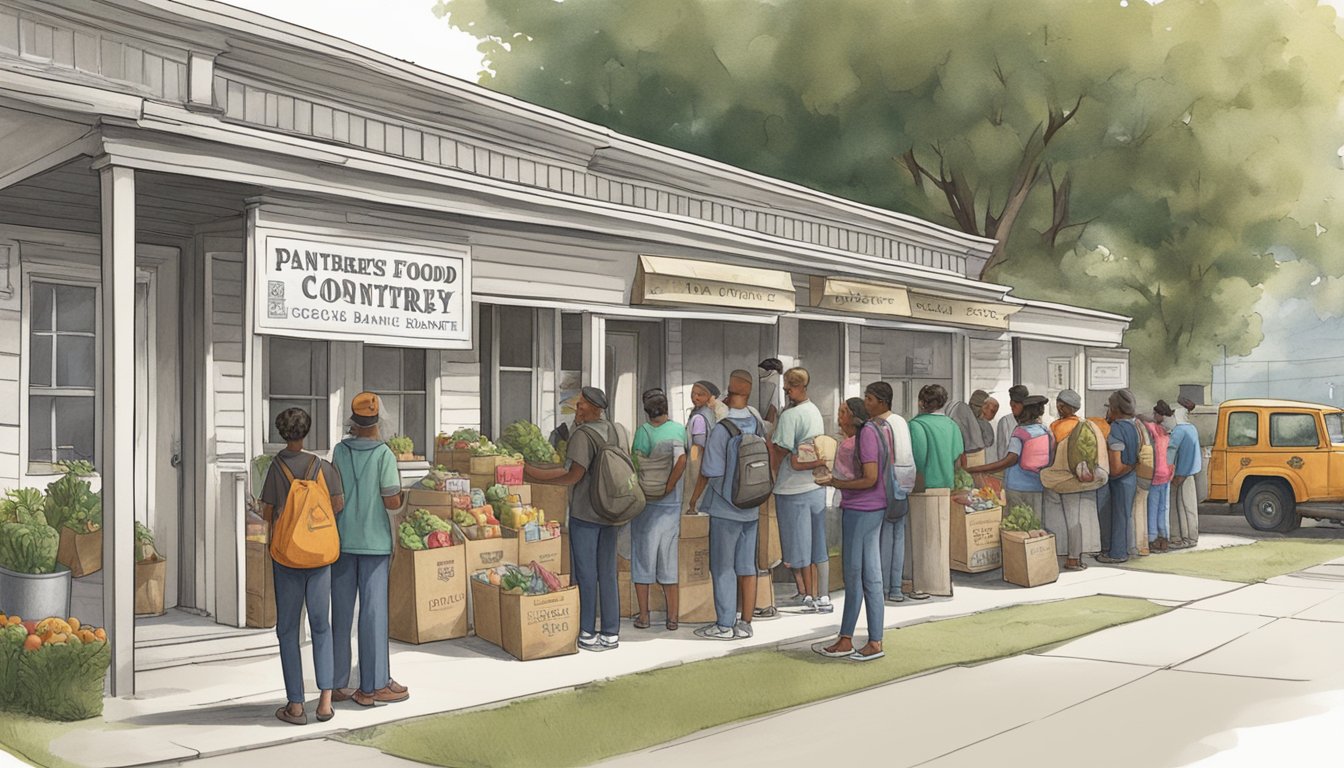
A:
[983,314]
[677,282]
[844,295]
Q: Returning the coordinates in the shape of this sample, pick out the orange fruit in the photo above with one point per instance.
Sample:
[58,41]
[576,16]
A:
[32,643]
[15,620]
[73,622]
[100,633]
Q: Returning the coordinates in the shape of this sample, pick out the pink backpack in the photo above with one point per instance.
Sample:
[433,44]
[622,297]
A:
[1037,450]
[1162,470]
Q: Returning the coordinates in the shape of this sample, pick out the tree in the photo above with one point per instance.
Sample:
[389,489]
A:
[1167,161]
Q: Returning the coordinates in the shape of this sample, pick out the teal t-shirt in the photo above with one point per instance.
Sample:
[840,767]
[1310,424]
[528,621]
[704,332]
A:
[368,473]
[797,424]
[667,435]
[937,443]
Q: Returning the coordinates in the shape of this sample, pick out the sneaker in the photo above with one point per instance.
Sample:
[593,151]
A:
[742,631]
[824,605]
[809,605]
[608,642]
[715,632]
[919,595]
[896,597]
[588,641]
[1108,560]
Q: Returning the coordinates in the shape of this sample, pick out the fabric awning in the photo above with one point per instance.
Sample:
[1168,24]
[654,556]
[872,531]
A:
[677,282]
[844,295]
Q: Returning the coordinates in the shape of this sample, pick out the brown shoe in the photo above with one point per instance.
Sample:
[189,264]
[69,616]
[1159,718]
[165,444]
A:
[343,694]
[395,687]
[380,696]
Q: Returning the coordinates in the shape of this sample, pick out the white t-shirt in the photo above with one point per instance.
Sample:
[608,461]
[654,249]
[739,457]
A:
[800,423]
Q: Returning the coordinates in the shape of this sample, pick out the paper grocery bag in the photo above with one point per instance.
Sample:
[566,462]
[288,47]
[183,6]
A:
[1140,512]
[930,541]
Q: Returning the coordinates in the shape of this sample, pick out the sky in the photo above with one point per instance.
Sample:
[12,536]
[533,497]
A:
[408,29]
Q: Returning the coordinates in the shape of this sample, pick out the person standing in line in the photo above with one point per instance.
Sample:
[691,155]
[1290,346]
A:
[592,540]
[368,470]
[655,533]
[971,437]
[863,504]
[800,503]
[1186,460]
[299,588]
[1076,512]
[987,412]
[877,399]
[1067,405]
[703,416]
[1159,492]
[772,399]
[936,447]
[732,530]
[1104,492]
[1030,450]
[1003,431]
[1123,446]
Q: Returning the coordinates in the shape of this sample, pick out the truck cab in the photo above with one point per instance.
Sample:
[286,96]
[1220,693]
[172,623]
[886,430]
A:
[1281,460]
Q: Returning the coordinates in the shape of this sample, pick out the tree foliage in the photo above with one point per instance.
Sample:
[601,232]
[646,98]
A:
[1169,162]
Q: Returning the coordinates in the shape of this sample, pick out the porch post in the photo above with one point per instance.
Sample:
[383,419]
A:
[117,450]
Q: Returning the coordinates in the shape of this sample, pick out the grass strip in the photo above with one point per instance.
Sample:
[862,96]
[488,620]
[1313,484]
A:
[626,714]
[29,738]
[1247,563]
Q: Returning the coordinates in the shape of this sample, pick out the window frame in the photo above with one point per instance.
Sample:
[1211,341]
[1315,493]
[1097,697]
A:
[59,275]
[496,427]
[1255,415]
[1316,426]
[1339,419]
[429,382]
[268,418]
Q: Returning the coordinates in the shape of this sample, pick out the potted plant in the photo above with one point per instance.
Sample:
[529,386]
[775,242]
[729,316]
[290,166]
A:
[403,447]
[32,583]
[73,509]
[151,573]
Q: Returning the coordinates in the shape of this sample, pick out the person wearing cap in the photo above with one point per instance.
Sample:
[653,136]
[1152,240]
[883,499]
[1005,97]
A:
[372,486]
[1184,407]
[732,530]
[1183,453]
[1123,446]
[1159,493]
[592,541]
[1021,484]
[1072,515]
[770,391]
[1003,431]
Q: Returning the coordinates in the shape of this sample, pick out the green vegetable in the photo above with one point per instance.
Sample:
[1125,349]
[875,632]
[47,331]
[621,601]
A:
[260,466]
[408,537]
[71,502]
[1083,446]
[63,682]
[1021,518]
[401,444]
[144,543]
[423,523]
[961,480]
[465,435]
[27,543]
[496,492]
[526,440]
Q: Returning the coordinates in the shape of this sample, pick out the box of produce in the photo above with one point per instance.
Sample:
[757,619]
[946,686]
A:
[444,480]
[520,493]
[1029,558]
[419,497]
[551,499]
[52,668]
[429,576]
[974,525]
[529,611]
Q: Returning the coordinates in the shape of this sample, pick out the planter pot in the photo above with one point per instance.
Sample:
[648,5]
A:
[82,553]
[150,578]
[36,596]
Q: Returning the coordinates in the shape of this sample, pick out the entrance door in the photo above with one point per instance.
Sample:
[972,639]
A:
[634,364]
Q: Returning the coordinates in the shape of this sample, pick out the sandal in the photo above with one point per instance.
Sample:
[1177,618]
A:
[672,625]
[284,715]
[640,623]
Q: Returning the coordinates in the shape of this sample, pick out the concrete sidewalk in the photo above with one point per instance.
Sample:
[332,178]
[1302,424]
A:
[226,707]
[1224,680]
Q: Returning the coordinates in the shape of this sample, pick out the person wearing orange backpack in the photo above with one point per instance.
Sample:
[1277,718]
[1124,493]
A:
[295,588]
[369,470]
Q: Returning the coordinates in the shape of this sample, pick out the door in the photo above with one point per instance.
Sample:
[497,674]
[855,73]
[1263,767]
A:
[1295,443]
[1241,436]
[623,385]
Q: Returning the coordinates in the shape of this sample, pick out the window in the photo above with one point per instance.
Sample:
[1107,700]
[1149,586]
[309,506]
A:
[397,376]
[1334,424]
[1243,429]
[297,378]
[62,372]
[1293,430]
[515,329]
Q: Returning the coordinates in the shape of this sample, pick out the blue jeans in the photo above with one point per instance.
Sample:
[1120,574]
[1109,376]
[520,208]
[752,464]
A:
[365,577]
[892,546]
[295,588]
[1159,511]
[1122,515]
[1104,516]
[796,529]
[732,553]
[654,534]
[592,555]
[863,571]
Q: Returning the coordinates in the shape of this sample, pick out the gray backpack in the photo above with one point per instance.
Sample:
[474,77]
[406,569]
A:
[754,477]
[614,489]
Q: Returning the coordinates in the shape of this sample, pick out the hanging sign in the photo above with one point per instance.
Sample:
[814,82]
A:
[668,281]
[845,295]
[985,314]
[326,288]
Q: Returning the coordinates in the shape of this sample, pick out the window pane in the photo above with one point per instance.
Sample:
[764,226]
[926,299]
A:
[571,342]
[39,369]
[39,428]
[76,308]
[291,366]
[75,361]
[74,428]
[319,438]
[413,422]
[1243,429]
[389,418]
[515,337]
[1334,424]
[515,397]
[1293,430]
[413,370]
[382,369]
[42,306]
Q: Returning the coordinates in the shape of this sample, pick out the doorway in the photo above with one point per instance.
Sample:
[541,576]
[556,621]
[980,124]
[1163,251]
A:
[634,362]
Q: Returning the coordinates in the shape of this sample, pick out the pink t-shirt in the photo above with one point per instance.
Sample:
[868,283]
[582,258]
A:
[869,451]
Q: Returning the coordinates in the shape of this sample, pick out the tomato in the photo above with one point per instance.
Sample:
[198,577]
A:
[31,626]
[32,643]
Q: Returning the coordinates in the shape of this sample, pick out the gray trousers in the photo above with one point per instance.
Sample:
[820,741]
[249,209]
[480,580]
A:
[1185,511]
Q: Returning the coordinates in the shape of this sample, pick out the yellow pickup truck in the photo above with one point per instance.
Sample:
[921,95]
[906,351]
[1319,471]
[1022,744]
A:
[1280,460]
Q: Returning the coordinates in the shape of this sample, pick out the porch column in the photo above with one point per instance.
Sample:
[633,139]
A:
[117,449]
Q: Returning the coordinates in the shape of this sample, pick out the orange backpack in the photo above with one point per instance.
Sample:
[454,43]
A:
[305,534]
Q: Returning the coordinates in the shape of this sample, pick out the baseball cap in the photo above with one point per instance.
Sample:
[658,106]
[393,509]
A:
[364,409]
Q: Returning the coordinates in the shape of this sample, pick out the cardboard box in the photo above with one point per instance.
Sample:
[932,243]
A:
[975,539]
[837,573]
[150,579]
[694,579]
[929,537]
[694,526]
[552,499]
[486,465]
[481,481]
[524,493]
[509,474]
[564,551]
[769,551]
[1029,562]
[82,553]
[547,553]
[527,626]
[483,554]
[431,594]
[260,586]
[457,461]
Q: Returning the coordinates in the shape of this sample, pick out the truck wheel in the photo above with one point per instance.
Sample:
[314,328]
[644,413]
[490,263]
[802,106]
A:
[1270,506]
